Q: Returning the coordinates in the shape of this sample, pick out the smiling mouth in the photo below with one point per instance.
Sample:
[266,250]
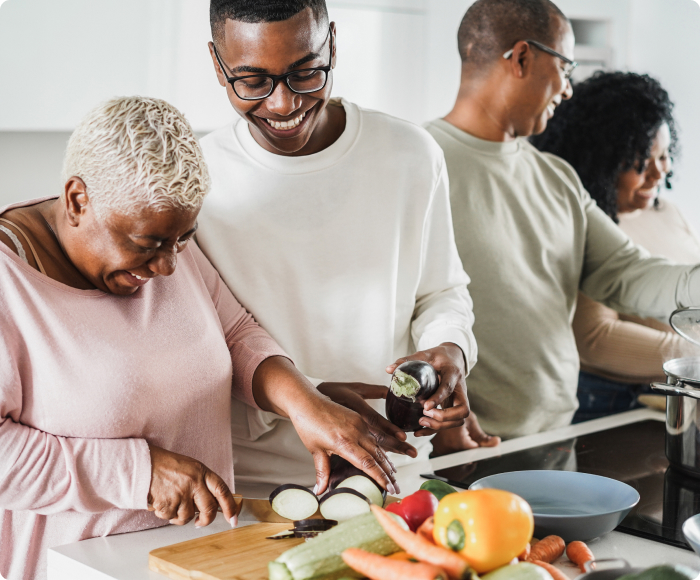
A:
[287,125]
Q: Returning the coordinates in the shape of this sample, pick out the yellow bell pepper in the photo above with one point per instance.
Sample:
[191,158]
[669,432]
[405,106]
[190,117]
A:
[488,527]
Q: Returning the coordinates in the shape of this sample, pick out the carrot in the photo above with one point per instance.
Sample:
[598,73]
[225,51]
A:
[525,553]
[553,572]
[421,548]
[579,553]
[426,529]
[378,567]
[547,549]
[405,556]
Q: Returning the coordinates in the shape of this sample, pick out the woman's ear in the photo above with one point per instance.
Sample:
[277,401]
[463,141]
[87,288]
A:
[75,200]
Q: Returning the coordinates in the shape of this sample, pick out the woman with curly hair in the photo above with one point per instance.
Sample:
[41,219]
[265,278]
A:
[619,133]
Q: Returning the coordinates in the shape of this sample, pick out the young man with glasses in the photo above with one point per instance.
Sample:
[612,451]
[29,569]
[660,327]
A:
[331,224]
[527,232]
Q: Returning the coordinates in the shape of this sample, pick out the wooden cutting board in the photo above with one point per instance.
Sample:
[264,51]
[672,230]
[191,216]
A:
[240,554]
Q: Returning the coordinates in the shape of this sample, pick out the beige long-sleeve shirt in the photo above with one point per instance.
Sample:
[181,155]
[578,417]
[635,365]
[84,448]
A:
[628,348]
[530,237]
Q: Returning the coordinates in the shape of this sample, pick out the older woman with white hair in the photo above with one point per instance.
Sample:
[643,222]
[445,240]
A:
[116,369]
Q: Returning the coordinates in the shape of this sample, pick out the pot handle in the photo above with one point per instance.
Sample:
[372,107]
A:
[592,565]
[670,389]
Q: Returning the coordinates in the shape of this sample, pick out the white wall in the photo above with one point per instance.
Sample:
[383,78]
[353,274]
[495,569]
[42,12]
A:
[664,44]
[58,58]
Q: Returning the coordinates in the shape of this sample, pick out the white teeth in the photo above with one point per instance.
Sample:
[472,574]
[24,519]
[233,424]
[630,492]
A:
[137,276]
[286,125]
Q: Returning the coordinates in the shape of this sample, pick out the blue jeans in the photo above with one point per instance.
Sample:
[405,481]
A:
[598,397]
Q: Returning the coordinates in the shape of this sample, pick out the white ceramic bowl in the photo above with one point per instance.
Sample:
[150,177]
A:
[573,505]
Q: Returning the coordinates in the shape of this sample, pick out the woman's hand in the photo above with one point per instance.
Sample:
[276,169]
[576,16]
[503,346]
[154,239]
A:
[324,427]
[353,396]
[182,486]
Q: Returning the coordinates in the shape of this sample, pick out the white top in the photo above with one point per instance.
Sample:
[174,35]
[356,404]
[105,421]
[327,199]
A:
[531,237]
[347,257]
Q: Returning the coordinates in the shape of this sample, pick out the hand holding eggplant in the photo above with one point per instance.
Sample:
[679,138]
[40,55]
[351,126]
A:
[353,396]
[448,360]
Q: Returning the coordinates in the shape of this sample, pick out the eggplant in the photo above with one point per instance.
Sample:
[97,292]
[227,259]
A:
[293,502]
[343,504]
[412,383]
[345,475]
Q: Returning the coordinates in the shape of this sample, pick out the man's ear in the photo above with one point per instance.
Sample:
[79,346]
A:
[521,59]
[335,45]
[217,68]
[75,200]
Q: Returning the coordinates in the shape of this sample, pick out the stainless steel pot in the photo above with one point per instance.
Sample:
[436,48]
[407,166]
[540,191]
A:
[682,390]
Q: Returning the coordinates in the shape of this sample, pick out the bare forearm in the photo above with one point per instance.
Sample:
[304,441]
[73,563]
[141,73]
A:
[277,383]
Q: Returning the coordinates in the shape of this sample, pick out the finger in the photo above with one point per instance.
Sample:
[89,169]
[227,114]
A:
[185,513]
[423,432]
[368,456]
[450,377]
[456,413]
[220,495]
[390,443]
[165,508]
[322,463]
[420,355]
[479,435]
[367,391]
[439,425]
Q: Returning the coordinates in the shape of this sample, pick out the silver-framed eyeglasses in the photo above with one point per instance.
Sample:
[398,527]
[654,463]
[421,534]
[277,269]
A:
[569,65]
[260,86]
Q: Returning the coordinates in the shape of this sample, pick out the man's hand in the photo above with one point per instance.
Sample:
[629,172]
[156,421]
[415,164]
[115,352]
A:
[468,436]
[353,396]
[448,360]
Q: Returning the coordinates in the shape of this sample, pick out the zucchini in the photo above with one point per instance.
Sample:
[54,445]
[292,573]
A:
[320,557]
[438,488]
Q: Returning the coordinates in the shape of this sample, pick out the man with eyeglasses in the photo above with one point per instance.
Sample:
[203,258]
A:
[527,232]
[331,224]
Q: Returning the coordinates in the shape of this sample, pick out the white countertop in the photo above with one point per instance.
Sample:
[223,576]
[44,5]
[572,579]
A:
[125,556]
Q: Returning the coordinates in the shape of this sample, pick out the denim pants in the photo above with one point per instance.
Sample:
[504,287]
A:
[598,397]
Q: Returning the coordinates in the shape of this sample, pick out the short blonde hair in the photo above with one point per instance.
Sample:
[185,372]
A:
[133,152]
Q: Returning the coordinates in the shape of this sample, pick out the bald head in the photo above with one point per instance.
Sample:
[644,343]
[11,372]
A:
[492,27]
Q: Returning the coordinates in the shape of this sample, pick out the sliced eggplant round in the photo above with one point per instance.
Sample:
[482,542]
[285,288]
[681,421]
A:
[343,504]
[293,502]
[315,524]
[345,474]
[412,383]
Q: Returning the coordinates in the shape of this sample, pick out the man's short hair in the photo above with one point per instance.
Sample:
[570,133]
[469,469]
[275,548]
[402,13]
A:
[491,27]
[259,11]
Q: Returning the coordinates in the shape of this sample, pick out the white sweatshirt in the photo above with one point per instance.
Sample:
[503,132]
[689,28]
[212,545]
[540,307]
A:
[346,257]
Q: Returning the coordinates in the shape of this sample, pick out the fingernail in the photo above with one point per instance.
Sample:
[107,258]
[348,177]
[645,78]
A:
[196,523]
[398,489]
[172,521]
[391,489]
[315,489]
[428,413]
[424,423]
[233,521]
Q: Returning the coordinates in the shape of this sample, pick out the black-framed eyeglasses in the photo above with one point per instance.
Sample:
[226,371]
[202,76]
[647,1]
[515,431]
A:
[261,86]
[570,64]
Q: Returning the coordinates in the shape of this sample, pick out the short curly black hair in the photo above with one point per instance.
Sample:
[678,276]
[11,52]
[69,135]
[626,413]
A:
[259,11]
[608,127]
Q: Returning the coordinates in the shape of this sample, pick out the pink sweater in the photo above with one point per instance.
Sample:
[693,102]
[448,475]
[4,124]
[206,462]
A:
[88,378]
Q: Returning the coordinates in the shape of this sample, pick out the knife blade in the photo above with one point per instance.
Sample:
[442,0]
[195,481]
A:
[257,510]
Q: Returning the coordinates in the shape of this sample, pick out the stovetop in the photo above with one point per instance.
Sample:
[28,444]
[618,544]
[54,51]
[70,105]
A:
[631,453]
